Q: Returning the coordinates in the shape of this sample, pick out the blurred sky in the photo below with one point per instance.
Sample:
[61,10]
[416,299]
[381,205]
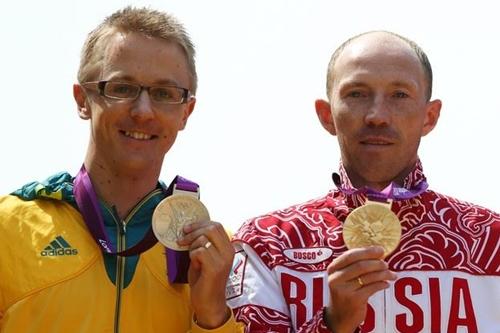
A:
[254,142]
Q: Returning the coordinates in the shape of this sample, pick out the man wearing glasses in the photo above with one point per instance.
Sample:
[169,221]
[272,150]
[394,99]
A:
[381,249]
[77,255]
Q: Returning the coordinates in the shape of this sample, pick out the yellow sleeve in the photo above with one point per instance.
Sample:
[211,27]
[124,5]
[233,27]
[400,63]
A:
[230,326]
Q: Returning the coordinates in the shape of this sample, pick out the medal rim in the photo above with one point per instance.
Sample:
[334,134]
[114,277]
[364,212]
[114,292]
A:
[155,221]
[366,206]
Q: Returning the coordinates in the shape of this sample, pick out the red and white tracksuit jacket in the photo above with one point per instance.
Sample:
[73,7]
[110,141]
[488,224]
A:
[448,266]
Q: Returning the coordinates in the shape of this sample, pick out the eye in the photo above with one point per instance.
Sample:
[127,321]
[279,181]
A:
[400,94]
[354,94]
[166,94]
[120,90]
[162,93]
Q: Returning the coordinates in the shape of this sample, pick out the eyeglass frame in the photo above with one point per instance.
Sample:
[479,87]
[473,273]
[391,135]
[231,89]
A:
[186,96]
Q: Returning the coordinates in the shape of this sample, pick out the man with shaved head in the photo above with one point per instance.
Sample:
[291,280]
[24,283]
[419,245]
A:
[381,252]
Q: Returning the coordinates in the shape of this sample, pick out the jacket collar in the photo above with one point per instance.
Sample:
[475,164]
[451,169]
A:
[413,179]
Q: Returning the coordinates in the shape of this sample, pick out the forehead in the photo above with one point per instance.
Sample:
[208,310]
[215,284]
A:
[144,59]
[378,59]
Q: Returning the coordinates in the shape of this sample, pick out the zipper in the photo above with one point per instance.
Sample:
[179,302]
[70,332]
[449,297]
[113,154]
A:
[121,246]
[120,271]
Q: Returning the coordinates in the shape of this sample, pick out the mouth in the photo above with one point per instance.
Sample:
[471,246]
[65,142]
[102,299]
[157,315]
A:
[138,135]
[376,141]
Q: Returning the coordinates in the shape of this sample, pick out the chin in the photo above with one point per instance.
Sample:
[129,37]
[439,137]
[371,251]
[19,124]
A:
[379,174]
[138,165]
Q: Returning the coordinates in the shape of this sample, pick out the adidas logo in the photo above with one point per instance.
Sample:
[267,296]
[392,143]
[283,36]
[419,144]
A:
[58,247]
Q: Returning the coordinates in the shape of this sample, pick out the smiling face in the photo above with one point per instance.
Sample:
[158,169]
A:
[130,137]
[378,109]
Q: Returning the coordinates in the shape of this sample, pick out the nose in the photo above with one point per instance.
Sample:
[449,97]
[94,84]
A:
[142,108]
[378,113]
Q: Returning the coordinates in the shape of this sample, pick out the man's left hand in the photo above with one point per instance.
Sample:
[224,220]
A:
[211,255]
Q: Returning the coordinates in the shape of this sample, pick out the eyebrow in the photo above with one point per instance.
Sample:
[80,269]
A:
[161,82]
[168,82]
[359,84]
[352,84]
[407,84]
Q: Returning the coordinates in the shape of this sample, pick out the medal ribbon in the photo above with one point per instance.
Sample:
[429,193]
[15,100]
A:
[88,204]
[392,192]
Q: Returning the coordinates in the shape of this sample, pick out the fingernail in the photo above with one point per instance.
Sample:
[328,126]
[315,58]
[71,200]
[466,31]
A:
[377,248]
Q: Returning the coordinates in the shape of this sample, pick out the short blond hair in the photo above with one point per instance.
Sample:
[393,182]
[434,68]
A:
[151,23]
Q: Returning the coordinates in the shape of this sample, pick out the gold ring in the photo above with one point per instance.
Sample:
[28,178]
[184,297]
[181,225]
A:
[208,244]
[361,284]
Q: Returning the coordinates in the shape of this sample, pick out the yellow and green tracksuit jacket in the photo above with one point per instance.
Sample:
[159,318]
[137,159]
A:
[54,278]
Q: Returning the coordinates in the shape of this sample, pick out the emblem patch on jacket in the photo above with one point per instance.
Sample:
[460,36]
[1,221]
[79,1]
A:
[234,286]
[58,247]
[308,255]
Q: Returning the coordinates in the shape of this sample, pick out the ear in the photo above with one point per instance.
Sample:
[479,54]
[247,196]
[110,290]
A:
[432,112]
[80,98]
[324,113]
[188,109]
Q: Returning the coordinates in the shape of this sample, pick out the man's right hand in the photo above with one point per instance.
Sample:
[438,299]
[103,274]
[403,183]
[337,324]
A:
[352,278]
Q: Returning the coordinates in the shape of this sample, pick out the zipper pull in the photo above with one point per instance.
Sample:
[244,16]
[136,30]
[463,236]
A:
[122,225]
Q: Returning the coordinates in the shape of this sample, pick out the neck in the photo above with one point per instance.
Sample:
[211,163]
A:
[118,188]
[378,186]
[358,181]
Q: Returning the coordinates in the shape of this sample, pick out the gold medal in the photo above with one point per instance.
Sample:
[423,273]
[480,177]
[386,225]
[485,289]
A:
[372,224]
[172,214]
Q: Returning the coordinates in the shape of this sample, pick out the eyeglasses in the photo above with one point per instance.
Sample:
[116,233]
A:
[129,92]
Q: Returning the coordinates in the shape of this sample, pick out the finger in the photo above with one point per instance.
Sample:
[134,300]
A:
[363,267]
[194,226]
[195,262]
[200,250]
[358,274]
[218,227]
[201,241]
[215,233]
[368,290]
[209,259]
[218,243]
[385,275]
[199,225]
[209,229]
[218,251]
[354,255]
[365,280]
